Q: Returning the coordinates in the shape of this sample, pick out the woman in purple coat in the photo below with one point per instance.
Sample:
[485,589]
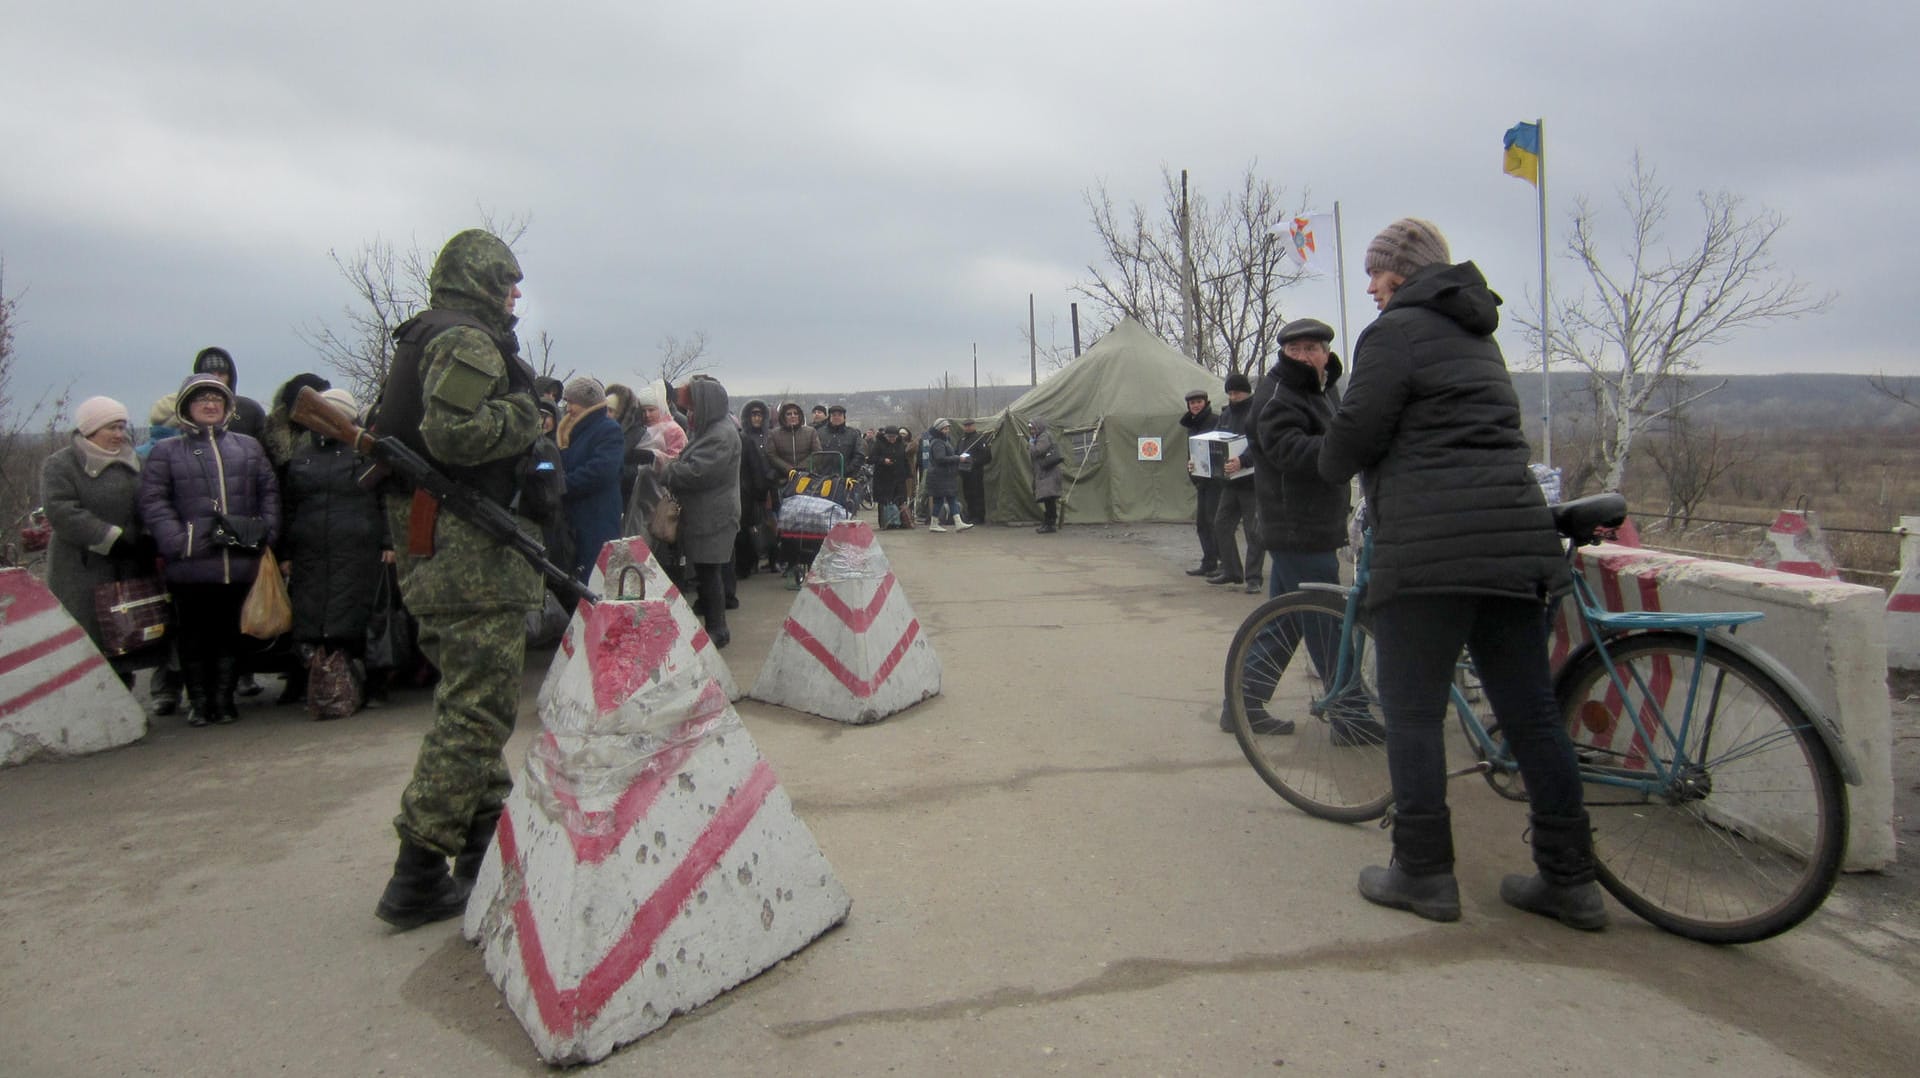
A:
[209,500]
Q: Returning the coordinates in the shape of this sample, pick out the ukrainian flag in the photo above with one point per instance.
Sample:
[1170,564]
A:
[1523,152]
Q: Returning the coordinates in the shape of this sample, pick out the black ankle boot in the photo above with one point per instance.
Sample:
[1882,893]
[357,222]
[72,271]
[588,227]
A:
[1564,889]
[1420,878]
[226,679]
[294,689]
[421,890]
[466,867]
[193,676]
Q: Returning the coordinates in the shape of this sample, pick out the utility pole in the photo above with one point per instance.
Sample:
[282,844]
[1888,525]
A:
[1075,308]
[1033,346]
[1189,290]
[976,378]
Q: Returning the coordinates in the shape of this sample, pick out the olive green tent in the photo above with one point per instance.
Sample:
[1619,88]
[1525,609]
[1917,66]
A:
[1115,412]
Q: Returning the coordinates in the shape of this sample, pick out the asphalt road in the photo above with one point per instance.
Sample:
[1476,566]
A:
[1058,866]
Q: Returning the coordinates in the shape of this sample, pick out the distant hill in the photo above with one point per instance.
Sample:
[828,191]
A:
[1831,402]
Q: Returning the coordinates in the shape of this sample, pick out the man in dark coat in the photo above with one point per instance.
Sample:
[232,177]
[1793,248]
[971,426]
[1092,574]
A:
[975,455]
[1303,518]
[1464,553]
[1198,420]
[1239,507]
[837,437]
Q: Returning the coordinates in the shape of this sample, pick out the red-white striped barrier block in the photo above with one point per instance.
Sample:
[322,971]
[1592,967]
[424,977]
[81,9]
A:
[1828,634]
[851,648]
[605,581]
[58,696]
[1903,606]
[648,860]
[1795,544]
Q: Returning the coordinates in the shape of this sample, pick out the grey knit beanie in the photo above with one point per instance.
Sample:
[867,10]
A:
[1406,245]
[585,392]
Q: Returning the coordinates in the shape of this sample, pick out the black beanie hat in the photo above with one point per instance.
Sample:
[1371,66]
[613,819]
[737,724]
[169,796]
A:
[1238,381]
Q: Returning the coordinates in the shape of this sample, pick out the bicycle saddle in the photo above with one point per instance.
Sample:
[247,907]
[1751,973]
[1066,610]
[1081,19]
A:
[1581,517]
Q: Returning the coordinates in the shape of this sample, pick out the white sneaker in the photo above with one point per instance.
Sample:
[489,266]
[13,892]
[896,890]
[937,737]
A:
[935,528]
[961,524]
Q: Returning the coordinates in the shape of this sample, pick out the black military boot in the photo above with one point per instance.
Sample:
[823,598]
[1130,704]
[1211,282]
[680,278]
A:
[1420,878]
[193,676]
[466,867]
[421,891]
[1564,888]
[226,679]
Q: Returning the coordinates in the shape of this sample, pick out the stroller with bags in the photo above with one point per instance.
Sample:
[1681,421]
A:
[811,503]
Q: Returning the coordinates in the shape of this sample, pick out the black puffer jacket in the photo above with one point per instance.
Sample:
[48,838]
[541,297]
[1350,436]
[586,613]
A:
[1431,417]
[1299,511]
[333,536]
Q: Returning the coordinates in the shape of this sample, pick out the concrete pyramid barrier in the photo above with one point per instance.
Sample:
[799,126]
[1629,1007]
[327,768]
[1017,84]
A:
[58,696]
[655,584]
[851,648]
[1795,544]
[649,859]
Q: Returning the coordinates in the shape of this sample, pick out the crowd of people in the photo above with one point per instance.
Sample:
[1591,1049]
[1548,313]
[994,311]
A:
[1465,544]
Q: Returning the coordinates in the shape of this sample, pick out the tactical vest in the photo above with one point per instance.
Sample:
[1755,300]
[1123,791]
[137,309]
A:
[402,404]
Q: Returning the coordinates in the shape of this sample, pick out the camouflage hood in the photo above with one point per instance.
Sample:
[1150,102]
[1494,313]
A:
[474,274]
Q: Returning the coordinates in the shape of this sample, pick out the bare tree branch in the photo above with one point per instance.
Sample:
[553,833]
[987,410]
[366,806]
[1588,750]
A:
[1902,390]
[1239,271]
[681,359]
[1650,310]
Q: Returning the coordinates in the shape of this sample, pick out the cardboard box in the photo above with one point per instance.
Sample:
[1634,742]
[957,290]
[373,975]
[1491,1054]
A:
[1210,451]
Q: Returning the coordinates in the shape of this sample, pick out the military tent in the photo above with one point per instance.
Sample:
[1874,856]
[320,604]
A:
[1115,412]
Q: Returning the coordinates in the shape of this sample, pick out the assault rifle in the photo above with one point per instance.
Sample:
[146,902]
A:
[317,414]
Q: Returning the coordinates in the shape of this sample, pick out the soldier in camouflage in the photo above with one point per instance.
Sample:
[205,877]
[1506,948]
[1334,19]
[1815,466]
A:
[458,380]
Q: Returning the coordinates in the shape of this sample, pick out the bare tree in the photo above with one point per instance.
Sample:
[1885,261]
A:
[23,446]
[1238,269]
[8,306]
[681,359]
[1899,389]
[1692,459]
[1653,308]
[390,285]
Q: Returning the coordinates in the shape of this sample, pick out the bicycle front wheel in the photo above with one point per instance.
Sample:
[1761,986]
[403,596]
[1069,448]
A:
[1735,834]
[1323,750]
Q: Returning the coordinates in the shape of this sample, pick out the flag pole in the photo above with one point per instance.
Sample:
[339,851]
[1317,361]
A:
[1546,308]
[1340,277]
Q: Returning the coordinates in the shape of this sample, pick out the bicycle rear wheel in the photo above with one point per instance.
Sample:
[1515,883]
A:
[1326,757]
[1745,840]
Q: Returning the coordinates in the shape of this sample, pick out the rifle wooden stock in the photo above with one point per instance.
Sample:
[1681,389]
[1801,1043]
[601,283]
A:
[317,414]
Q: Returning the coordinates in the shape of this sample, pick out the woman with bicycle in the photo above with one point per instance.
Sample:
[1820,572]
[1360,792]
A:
[1465,554]
[88,488]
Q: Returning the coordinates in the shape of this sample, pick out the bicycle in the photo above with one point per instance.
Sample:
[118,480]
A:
[1714,784]
[27,548]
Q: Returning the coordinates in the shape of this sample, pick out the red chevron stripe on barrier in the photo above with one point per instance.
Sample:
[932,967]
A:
[563,1010]
[857,620]
[859,688]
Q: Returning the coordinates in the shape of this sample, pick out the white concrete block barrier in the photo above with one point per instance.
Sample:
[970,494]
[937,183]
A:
[1795,544]
[851,648]
[648,860]
[656,584]
[58,696]
[1829,635]
[1903,606]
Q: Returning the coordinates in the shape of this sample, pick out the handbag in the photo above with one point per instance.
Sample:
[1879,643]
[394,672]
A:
[664,524]
[334,686]
[267,612]
[390,630]
[248,534]
[133,614]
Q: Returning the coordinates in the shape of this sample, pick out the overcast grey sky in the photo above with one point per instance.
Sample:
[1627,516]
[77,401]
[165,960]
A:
[852,195]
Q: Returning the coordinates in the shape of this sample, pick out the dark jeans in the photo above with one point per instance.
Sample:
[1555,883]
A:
[1419,640]
[1206,495]
[1050,512]
[713,594]
[1239,511]
[1273,650]
[975,494]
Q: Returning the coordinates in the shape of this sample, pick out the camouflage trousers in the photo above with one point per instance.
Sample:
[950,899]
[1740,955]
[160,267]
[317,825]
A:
[462,769]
